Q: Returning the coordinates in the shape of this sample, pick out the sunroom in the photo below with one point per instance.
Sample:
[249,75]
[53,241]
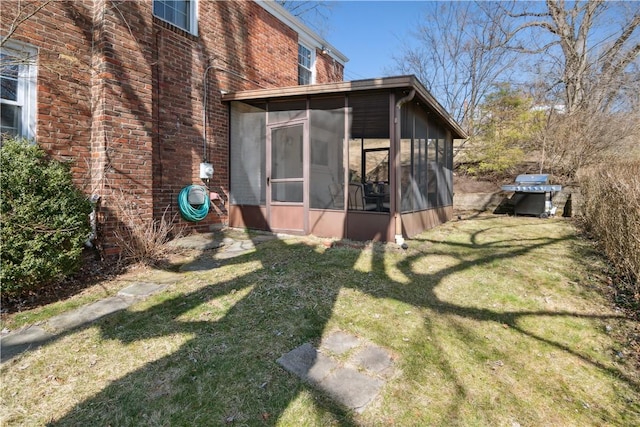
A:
[362,160]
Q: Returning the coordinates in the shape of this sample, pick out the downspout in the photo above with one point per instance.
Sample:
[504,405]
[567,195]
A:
[398,173]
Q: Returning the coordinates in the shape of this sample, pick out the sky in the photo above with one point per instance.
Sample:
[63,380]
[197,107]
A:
[369,33]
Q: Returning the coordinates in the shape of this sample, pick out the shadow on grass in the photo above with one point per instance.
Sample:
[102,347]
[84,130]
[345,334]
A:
[236,352]
[226,372]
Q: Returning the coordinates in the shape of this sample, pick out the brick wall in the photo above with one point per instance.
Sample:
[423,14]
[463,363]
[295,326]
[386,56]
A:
[328,69]
[64,62]
[121,93]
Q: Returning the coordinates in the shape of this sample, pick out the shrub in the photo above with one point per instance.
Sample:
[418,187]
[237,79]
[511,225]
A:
[142,240]
[44,219]
[611,213]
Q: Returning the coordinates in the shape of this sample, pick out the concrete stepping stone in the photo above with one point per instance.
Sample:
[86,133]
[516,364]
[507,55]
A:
[340,342]
[307,363]
[374,359]
[201,242]
[355,383]
[88,313]
[351,388]
[200,264]
[22,340]
[142,289]
[235,249]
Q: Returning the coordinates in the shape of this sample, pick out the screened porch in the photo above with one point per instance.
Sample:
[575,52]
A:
[364,160]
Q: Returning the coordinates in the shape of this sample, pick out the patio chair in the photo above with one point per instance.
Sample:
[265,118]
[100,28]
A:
[357,200]
[386,202]
[337,195]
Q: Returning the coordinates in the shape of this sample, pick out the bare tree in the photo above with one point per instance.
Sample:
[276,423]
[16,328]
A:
[316,14]
[592,46]
[580,59]
[459,56]
[590,51]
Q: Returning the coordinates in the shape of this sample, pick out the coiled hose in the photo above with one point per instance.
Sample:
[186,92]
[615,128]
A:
[193,213]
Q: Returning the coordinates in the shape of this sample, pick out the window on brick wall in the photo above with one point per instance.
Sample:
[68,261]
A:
[305,65]
[18,83]
[181,13]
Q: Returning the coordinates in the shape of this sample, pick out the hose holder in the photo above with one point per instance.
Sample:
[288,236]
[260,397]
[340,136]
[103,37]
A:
[193,202]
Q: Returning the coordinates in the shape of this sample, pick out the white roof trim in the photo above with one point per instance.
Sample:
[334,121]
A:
[306,35]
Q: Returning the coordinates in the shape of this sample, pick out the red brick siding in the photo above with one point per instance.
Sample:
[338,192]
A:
[328,69]
[64,91]
[128,106]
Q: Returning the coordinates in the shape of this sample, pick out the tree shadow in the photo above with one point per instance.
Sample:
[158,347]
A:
[234,348]
[497,250]
[224,349]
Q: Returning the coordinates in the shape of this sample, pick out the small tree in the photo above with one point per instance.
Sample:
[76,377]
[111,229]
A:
[510,121]
[458,53]
[44,218]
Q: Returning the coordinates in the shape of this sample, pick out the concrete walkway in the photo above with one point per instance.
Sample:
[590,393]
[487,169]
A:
[32,337]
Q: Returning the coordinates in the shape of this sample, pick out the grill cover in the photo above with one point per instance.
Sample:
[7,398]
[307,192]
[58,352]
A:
[532,179]
[532,183]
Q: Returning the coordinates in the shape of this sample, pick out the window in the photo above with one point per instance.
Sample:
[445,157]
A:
[305,65]
[18,90]
[181,13]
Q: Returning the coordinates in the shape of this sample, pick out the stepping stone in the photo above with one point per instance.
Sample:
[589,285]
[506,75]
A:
[340,342]
[235,249]
[307,363]
[374,359]
[354,384]
[89,313]
[141,289]
[351,388]
[200,264]
[34,336]
[201,242]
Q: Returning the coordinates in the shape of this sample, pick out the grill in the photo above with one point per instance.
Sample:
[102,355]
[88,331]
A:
[533,195]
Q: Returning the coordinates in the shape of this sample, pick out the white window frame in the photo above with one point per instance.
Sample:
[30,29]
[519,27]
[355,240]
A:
[312,63]
[27,57]
[193,17]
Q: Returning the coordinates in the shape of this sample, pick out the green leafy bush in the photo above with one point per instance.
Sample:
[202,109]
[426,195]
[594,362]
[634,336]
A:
[44,219]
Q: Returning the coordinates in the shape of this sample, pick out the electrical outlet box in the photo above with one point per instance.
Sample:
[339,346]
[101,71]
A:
[206,170]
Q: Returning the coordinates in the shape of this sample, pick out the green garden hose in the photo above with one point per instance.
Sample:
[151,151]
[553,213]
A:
[193,213]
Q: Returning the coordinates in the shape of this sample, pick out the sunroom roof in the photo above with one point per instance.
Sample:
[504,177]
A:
[385,83]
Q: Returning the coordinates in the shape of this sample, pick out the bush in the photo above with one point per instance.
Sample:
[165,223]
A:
[44,219]
[142,240]
[611,213]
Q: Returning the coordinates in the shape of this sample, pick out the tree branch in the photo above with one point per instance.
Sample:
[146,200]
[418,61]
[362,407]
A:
[19,20]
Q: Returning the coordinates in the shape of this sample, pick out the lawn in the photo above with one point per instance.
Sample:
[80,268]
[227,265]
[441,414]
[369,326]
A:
[492,321]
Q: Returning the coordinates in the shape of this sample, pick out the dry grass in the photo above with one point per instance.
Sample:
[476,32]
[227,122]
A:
[493,321]
[611,213]
[142,240]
